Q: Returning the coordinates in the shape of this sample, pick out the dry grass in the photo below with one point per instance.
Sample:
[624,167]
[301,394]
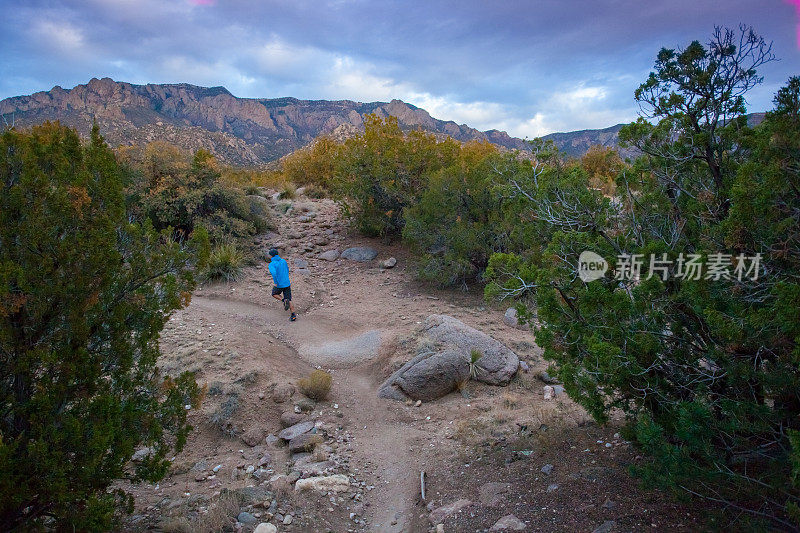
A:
[316,386]
[472,431]
[220,515]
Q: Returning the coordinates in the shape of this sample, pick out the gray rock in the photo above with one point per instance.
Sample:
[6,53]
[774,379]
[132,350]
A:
[265,460]
[360,253]
[433,374]
[305,442]
[438,515]
[301,263]
[329,255]
[265,527]
[493,494]
[290,418]
[334,483]
[608,504]
[508,523]
[547,469]
[305,219]
[254,436]
[141,454]
[427,377]
[389,263]
[547,378]
[296,430]
[552,487]
[498,363]
[272,440]
[605,527]
[314,469]
[246,518]
[282,392]
[511,319]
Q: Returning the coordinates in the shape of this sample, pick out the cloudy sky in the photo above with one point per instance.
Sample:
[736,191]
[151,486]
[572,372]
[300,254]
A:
[529,68]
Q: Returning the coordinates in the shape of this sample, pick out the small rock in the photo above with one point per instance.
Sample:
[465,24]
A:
[282,392]
[141,454]
[525,367]
[389,263]
[264,527]
[329,255]
[510,319]
[290,418]
[439,528]
[334,483]
[552,487]
[547,469]
[605,527]
[287,520]
[360,254]
[254,436]
[547,392]
[296,430]
[508,522]
[547,378]
[608,504]
[438,515]
[246,518]
[301,263]
[265,460]
[304,442]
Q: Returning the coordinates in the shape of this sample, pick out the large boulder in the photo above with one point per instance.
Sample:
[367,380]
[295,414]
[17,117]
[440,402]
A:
[427,377]
[360,253]
[497,364]
[436,373]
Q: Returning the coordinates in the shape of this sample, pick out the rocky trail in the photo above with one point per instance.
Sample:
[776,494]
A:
[265,458]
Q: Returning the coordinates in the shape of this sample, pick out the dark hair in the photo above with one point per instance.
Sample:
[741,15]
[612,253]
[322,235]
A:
[273,252]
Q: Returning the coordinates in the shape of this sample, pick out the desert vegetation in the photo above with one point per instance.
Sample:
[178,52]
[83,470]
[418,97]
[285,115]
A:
[705,370]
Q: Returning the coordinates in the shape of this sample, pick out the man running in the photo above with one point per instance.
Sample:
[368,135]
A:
[282,291]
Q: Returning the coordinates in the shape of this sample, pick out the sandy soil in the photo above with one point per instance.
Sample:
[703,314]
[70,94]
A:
[358,321]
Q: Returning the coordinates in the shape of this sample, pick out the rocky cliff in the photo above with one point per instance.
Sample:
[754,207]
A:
[241,131]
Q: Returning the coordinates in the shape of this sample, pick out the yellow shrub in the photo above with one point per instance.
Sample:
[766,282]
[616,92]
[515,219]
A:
[317,385]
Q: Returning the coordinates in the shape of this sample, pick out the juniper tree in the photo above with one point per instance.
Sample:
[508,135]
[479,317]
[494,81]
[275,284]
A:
[706,370]
[84,293]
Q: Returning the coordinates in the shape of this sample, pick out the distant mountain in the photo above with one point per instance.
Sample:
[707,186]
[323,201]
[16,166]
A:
[241,131]
[246,131]
[577,143]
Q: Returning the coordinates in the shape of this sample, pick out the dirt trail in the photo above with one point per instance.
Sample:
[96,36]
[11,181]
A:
[382,439]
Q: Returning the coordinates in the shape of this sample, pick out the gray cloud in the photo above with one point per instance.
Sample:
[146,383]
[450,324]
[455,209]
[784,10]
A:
[527,67]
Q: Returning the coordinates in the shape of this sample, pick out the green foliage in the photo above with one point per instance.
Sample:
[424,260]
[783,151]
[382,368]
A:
[83,296]
[381,172]
[707,371]
[224,263]
[175,193]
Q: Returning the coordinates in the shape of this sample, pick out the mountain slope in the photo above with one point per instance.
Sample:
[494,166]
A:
[242,131]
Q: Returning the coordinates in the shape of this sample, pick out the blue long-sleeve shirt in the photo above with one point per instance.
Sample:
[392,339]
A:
[280,272]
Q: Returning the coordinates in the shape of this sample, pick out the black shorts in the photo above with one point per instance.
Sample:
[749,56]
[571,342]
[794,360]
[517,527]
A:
[287,292]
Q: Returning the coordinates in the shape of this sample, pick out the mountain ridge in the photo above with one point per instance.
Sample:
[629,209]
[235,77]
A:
[242,131]
[247,131]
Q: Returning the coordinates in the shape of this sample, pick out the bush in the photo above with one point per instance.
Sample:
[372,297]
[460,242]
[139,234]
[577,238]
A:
[174,193]
[316,386]
[288,191]
[316,191]
[224,263]
[83,296]
[383,171]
